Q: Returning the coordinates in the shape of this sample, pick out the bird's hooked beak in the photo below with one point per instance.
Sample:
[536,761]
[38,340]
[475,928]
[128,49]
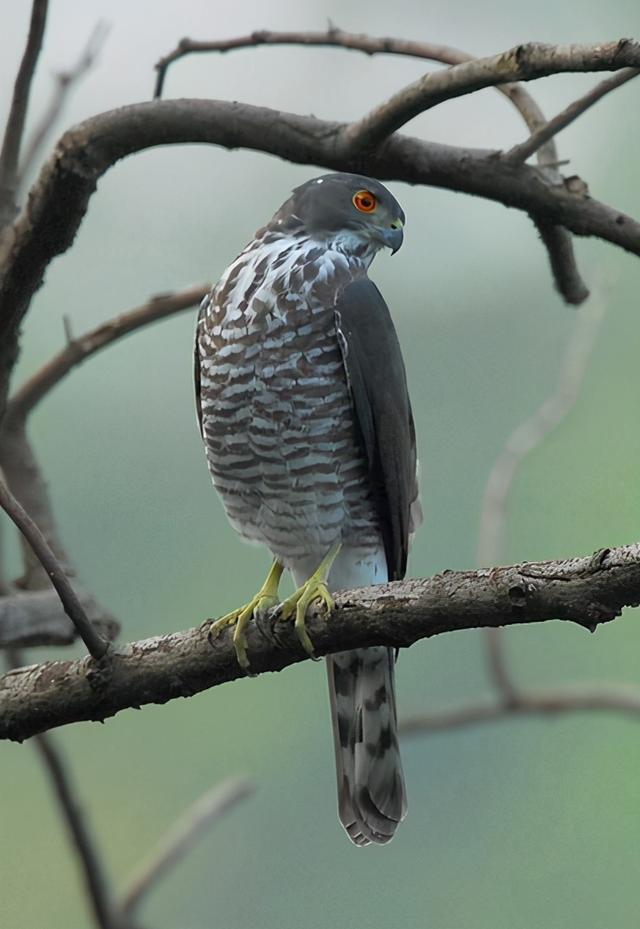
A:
[393,235]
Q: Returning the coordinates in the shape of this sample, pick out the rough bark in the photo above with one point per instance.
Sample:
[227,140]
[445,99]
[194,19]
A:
[587,591]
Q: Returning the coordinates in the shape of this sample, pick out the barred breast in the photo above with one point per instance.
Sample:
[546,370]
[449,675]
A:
[276,415]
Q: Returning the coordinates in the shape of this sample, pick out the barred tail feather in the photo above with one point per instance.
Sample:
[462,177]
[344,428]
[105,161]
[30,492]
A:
[371,791]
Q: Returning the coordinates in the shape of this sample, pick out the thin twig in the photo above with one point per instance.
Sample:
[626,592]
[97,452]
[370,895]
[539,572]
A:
[79,348]
[64,83]
[12,140]
[548,702]
[96,645]
[538,138]
[80,837]
[530,433]
[528,436]
[182,836]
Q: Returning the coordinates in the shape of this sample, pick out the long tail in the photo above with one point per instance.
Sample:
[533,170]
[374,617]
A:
[371,791]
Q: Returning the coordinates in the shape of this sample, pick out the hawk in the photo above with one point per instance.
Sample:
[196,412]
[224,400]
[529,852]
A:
[306,420]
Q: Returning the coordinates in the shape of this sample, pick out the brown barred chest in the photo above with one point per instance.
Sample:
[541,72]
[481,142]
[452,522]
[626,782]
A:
[276,413]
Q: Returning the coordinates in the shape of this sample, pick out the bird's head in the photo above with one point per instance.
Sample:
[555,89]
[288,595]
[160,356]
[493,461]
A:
[352,210]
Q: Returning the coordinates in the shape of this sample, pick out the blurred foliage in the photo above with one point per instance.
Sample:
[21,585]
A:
[522,824]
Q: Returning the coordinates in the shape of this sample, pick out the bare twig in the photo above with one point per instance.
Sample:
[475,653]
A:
[182,836]
[80,348]
[12,140]
[538,138]
[96,645]
[586,591]
[527,437]
[64,82]
[529,434]
[80,838]
[592,698]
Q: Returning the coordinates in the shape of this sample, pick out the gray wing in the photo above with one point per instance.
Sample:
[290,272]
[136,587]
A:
[196,361]
[378,385]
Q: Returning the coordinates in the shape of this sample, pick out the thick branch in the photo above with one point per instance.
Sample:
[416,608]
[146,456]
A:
[522,63]
[586,591]
[557,240]
[10,151]
[370,45]
[60,197]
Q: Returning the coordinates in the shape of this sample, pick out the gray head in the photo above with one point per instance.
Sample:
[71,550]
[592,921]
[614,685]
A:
[350,207]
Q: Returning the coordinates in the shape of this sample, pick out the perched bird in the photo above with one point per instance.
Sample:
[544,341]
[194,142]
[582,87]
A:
[305,415]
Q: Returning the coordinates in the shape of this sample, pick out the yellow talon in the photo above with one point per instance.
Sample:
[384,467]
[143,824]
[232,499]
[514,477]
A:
[313,589]
[264,600]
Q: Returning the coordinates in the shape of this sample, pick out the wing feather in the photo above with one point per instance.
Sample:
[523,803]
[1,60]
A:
[378,385]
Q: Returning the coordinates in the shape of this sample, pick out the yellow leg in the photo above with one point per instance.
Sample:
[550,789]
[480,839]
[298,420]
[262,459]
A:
[264,600]
[314,589]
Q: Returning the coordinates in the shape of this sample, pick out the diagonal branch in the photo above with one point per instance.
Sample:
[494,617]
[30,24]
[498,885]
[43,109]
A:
[547,131]
[35,617]
[533,431]
[183,835]
[96,645]
[64,83]
[10,151]
[82,347]
[522,63]
[587,591]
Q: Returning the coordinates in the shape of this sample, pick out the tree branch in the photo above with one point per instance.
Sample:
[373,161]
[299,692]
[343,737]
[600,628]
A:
[544,133]
[96,645]
[557,240]
[587,591]
[548,702]
[36,617]
[522,63]
[17,114]
[60,197]
[370,45]
[183,835]
[533,431]
[64,82]
[82,347]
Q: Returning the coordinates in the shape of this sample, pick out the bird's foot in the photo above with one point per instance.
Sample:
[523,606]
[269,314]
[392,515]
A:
[266,599]
[314,589]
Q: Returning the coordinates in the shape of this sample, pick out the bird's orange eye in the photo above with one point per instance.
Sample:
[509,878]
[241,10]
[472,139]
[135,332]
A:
[365,201]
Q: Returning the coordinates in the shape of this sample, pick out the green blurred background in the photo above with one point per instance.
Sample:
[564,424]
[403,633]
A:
[514,825]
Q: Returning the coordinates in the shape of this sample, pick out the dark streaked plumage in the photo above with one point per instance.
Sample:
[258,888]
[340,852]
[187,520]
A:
[305,416]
